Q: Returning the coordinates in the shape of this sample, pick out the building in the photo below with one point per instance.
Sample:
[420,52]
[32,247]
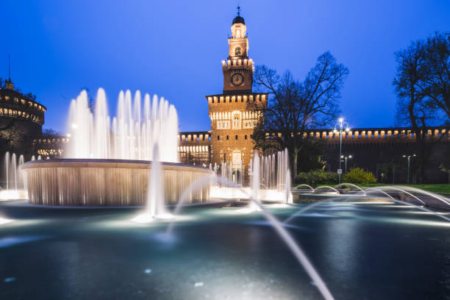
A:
[21,119]
[233,114]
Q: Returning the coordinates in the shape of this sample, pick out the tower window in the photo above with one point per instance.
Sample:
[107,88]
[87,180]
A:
[236,137]
[228,137]
[218,137]
[245,136]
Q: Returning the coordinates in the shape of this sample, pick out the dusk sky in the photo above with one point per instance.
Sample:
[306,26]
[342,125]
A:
[174,48]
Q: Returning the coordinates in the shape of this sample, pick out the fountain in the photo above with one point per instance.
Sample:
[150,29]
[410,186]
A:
[288,194]
[15,184]
[108,160]
[155,207]
[265,172]
[255,205]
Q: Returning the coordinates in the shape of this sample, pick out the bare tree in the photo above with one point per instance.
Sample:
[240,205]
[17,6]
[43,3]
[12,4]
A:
[437,81]
[416,106]
[295,106]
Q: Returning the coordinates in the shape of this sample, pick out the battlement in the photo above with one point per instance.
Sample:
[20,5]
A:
[373,135]
[243,98]
[232,63]
[194,136]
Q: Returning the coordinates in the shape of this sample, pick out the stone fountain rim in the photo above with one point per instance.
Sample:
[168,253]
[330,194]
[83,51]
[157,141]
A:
[106,163]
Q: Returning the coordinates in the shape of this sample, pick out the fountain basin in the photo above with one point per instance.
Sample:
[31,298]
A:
[107,182]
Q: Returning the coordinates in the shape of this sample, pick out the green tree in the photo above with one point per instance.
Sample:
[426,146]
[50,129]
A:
[316,177]
[358,175]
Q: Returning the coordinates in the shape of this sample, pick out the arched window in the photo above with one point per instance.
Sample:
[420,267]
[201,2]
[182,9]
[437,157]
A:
[245,136]
[236,137]
[228,137]
[218,137]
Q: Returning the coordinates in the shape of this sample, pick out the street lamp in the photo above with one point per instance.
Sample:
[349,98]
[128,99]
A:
[345,159]
[409,163]
[339,127]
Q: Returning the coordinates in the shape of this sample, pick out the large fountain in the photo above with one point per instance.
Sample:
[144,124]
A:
[132,160]
[108,160]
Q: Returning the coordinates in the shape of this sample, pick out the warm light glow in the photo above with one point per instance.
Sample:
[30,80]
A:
[5,221]
[341,120]
[13,195]
[143,219]
[147,218]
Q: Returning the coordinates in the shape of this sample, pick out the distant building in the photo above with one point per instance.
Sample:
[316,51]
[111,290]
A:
[21,120]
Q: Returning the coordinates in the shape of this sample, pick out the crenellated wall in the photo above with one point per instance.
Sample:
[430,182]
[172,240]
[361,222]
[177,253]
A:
[389,135]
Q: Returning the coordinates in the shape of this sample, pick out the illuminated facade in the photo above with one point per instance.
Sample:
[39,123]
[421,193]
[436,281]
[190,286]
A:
[233,118]
[232,113]
[21,119]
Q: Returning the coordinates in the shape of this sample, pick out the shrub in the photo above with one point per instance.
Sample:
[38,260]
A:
[315,177]
[358,175]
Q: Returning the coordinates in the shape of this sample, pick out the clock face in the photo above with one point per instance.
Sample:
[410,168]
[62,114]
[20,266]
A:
[237,79]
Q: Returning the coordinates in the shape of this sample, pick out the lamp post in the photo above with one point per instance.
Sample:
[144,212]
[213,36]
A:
[408,157]
[345,159]
[339,127]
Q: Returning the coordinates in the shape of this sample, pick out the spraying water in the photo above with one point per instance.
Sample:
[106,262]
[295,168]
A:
[276,224]
[288,193]
[132,134]
[15,182]
[255,184]
[7,161]
[155,207]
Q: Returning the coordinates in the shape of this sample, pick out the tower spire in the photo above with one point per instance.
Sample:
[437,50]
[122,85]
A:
[8,83]
[239,10]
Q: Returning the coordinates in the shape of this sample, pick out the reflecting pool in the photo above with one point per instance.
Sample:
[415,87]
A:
[361,250]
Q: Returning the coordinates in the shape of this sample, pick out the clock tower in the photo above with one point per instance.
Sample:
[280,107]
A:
[238,68]
[234,113]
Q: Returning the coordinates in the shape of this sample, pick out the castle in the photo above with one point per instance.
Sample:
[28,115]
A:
[234,114]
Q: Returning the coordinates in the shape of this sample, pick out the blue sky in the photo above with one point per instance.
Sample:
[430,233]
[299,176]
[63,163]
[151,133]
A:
[174,48]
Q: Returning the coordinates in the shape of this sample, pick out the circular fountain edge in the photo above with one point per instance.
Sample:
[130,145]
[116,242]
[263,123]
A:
[107,182]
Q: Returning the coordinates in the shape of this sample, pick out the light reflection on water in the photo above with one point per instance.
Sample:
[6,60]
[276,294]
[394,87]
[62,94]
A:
[9,241]
[215,251]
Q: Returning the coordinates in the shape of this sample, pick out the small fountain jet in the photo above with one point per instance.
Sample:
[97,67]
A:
[155,208]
